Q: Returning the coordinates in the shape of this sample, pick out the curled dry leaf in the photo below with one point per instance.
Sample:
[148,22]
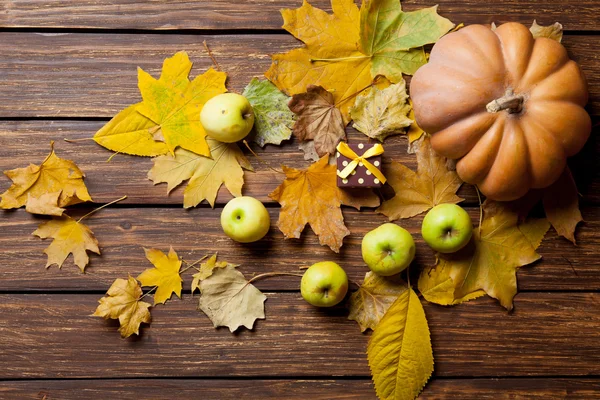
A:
[343,52]
[554,31]
[432,184]
[228,299]
[399,351]
[273,120]
[123,303]
[371,301]
[206,270]
[46,204]
[489,263]
[381,113]
[164,275]
[70,237]
[561,203]
[40,183]
[206,175]
[318,119]
[308,147]
[312,197]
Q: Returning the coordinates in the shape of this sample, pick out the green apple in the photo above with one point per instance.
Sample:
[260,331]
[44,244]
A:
[245,219]
[324,284]
[447,228]
[227,117]
[388,249]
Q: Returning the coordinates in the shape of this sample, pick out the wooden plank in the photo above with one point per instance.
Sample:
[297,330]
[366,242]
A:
[360,389]
[94,75]
[264,14]
[53,336]
[123,233]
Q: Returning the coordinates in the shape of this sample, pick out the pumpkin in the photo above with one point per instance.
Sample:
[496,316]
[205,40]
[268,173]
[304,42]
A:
[509,108]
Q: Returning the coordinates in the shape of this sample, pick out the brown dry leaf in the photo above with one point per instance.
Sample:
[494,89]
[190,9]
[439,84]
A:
[561,203]
[433,184]
[46,204]
[206,270]
[164,275]
[123,303]
[53,175]
[206,175]
[69,236]
[312,197]
[373,298]
[228,299]
[489,262]
[318,119]
[554,31]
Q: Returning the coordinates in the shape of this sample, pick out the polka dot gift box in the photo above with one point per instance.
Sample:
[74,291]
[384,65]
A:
[359,165]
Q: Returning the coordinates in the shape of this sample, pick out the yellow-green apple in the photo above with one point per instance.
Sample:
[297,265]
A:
[447,228]
[324,284]
[388,249]
[227,117]
[245,219]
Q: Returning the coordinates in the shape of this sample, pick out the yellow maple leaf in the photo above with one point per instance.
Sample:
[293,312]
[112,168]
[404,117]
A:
[415,193]
[399,351]
[206,270]
[489,263]
[53,175]
[206,175]
[123,303]
[312,197]
[373,298]
[345,51]
[164,275]
[70,237]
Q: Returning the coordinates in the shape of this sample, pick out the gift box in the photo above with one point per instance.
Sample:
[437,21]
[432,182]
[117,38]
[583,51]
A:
[359,165]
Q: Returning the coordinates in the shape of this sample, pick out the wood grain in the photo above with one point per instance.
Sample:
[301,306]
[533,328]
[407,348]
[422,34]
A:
[264,14]
[53,336]
[94,75]
[330,389]
[123,233]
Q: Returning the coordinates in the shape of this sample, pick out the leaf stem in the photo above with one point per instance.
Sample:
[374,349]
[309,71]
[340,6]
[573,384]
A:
[210,54]
[268,274]
[148,292]
[77,140]
[260,159]
[100,208]
[192,265]
[374,82]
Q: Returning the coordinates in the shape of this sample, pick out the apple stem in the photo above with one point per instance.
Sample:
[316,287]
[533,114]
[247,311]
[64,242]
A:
[260,159]
[269,274]
[100,208]
[210,54]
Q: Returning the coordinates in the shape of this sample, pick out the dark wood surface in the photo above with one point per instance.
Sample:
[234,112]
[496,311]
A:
[67,66]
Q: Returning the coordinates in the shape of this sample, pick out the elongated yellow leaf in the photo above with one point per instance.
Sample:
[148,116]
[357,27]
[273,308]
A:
[399,351]
[165,274]
[70,237]
[123,303]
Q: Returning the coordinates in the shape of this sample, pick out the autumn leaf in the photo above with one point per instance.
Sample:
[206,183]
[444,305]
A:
[273,120]
[40,183]
[164,275]
[46,204]
[415,193]
[123,303]
[345,51]
[381,113]
[414,132]
[554,31]
[373,298]
[206,175]
[399,351]
[130,132]
[561,203]
[489,263]
[228,299]
[318,119]
[206,270]
[312,197]
[70,237]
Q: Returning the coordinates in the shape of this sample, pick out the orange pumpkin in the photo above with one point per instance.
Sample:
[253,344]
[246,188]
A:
[506,106]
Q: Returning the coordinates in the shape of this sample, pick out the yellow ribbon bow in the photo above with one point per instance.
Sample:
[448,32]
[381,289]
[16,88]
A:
[345,150]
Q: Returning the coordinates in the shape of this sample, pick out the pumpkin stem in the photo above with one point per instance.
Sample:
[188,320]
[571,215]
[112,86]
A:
[511,102]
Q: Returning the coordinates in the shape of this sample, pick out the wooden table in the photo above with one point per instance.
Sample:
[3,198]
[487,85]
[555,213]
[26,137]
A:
[67,66]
